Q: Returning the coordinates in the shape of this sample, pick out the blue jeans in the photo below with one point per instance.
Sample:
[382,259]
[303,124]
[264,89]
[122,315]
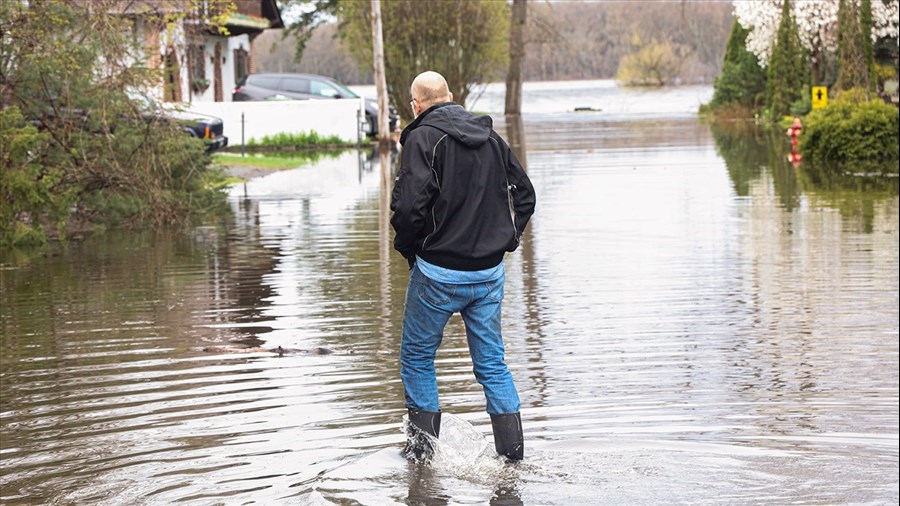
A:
[429,305]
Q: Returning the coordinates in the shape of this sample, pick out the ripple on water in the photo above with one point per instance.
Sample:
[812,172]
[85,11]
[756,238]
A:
[674,340]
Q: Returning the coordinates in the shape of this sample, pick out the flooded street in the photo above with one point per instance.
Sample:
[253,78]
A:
[690,320]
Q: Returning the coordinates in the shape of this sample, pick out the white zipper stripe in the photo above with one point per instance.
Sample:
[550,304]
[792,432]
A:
[438,181]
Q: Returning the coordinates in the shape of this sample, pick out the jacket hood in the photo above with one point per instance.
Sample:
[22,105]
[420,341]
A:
[452,119]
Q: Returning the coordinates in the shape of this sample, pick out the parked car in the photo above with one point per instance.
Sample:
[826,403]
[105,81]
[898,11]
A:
[202,126]
[305,87]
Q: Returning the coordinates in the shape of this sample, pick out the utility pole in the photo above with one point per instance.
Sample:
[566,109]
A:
[384,134]
[384,155]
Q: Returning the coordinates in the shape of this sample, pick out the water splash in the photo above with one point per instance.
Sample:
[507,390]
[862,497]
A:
[462,451]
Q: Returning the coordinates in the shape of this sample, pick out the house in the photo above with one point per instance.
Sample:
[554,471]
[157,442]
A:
[201,63]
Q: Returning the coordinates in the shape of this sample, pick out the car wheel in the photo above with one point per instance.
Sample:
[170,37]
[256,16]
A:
[371,126]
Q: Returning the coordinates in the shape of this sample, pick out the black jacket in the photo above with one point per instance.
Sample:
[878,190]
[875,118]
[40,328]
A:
[461,198]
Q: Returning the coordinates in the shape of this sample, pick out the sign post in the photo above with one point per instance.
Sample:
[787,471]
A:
[819,97]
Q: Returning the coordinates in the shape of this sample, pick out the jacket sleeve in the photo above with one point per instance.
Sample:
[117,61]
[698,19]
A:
[414,189]
[521,191]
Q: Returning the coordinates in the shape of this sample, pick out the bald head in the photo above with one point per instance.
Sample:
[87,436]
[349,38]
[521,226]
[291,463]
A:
[429,88]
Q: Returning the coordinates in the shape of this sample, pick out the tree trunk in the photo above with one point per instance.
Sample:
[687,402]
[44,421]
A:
[516,57]
[515,134]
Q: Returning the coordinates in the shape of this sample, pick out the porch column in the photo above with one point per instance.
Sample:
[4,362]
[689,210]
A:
[217,74]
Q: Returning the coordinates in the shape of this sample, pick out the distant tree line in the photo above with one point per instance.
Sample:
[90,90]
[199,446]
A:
[564,40]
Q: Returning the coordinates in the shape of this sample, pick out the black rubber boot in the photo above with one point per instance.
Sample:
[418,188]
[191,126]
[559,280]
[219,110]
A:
[421,422]
[509,441]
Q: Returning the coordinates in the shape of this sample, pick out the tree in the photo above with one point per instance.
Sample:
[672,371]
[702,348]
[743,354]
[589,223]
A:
[562,40]
[817,23]
[516,57]
[865,25]
[653,64]
[854,64]
[312,14]
[465,41]
[324,53]
[76,149]
[787,69]
[743,81]
[515,132]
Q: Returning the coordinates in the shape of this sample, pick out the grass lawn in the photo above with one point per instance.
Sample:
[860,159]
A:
[261,161]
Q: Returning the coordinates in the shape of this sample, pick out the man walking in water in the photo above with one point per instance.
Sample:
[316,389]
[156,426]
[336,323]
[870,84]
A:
[460,202]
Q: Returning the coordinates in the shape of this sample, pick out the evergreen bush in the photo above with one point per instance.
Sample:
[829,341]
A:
[852,128]
[788,70]
[742,81]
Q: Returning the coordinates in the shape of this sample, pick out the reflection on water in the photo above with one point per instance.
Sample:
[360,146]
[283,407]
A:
[856,191]
[689,320]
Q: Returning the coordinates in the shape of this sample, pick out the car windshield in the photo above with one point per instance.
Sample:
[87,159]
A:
[344,89]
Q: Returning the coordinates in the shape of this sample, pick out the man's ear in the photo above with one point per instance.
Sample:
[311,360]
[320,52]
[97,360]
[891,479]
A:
[451,97]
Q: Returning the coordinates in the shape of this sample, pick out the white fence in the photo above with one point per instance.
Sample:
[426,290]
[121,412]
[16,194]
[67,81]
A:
[340,117]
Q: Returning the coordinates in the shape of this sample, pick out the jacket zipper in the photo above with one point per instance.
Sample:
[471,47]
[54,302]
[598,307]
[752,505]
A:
[510,188]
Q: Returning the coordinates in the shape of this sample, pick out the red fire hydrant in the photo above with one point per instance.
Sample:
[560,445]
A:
[794,132]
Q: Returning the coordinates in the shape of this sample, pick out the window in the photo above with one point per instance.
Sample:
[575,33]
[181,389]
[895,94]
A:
[197,67]
[241,64]
[295,85]
[269,83]
[324,89]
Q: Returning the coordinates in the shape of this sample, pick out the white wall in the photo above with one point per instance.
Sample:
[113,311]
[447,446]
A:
[229,44]
[228,80]
[325,117]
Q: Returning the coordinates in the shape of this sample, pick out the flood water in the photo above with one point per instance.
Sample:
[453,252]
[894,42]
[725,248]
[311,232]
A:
[690,320]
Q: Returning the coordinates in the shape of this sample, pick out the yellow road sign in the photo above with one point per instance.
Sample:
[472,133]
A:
[819,97]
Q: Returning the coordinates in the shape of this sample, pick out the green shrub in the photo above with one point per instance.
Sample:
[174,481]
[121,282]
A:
[27,184]
[652,64]
[742,81]
[851,128]
[297,140]
[802,105]
[76,151]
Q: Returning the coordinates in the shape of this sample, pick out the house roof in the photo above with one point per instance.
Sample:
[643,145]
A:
[254,16]
[250,15]
[142,7]
[272,13]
